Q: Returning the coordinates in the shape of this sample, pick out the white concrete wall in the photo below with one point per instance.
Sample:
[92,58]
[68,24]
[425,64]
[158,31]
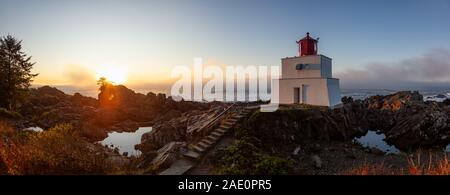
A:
[334,91]
[288,67]
[323,90]
[326,67]
[321,70]
[317,93]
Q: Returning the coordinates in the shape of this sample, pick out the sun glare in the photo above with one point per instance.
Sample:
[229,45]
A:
[114,73]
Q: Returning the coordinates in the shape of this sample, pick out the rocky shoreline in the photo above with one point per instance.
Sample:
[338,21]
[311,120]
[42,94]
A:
[307,138]
[46,107]
[409,123]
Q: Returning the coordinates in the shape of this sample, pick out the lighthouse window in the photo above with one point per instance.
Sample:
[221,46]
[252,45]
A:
[300,66]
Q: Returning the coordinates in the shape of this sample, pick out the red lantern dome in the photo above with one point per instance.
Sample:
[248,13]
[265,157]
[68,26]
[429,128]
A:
[307,46]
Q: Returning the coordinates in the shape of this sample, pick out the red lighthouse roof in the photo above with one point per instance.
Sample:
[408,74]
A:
[307,46]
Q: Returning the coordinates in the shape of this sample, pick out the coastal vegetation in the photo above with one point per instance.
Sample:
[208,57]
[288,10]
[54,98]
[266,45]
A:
[15,72]
[58,150]
[243,158]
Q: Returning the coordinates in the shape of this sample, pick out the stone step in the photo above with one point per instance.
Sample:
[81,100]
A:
[192,154]
[198,148]
[203,144]
[237,117]
[208,141]
[231,120]
[212,138]
[228,123]
[217,134]
[243,114]
[225,126]
[221,130]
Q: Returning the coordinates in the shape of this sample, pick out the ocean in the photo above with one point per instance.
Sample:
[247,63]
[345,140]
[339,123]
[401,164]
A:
[437,94]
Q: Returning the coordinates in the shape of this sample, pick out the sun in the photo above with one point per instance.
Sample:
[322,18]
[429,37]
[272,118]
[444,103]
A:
[113,73]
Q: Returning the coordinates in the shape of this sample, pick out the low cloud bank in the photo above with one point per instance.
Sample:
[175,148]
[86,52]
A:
[431,70]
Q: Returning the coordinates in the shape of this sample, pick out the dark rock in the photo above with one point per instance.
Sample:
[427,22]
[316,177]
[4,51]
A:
[420,126]
[350,156]
[166,155]
[3,168]
[395,101]
[162,134]
[446,102]
[403,117]
[50,91]
[347,99]
[125,126]
[81,100]
[440,96]
[151,95]
[376,151]
[296,151]
[317,162]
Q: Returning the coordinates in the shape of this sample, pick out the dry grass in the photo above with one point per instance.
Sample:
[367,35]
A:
[369,169]
[432,164]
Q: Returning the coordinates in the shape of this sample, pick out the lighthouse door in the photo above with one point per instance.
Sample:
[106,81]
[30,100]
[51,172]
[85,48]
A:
[296,95]
[304,94]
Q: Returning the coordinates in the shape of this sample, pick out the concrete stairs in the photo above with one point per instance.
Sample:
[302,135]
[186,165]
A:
[214,136]
[197,150]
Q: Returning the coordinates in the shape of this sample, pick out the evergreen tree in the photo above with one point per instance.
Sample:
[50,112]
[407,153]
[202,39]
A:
[15,72]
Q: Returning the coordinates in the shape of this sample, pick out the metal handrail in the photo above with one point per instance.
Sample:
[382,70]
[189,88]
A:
[215,119]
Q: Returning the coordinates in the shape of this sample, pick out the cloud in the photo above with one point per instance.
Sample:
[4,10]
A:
[432,69]
[79,76]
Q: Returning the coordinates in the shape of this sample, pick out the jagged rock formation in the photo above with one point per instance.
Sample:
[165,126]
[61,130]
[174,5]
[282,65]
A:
[394,102]
[165,156]
[48,106]
[118,109]
[162,134]
[184,128]
[446,102]
[412,123]
[406,120]
[420,125]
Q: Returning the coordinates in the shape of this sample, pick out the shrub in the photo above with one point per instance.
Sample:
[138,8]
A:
[9,114]
[59,150]
[272,165]
[242,158]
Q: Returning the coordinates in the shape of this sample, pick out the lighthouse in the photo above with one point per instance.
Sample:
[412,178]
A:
[306,78]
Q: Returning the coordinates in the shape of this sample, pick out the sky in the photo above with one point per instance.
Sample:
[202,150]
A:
[373,44]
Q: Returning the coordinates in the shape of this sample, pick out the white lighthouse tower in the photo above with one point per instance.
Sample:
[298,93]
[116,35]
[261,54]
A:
[306,78]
